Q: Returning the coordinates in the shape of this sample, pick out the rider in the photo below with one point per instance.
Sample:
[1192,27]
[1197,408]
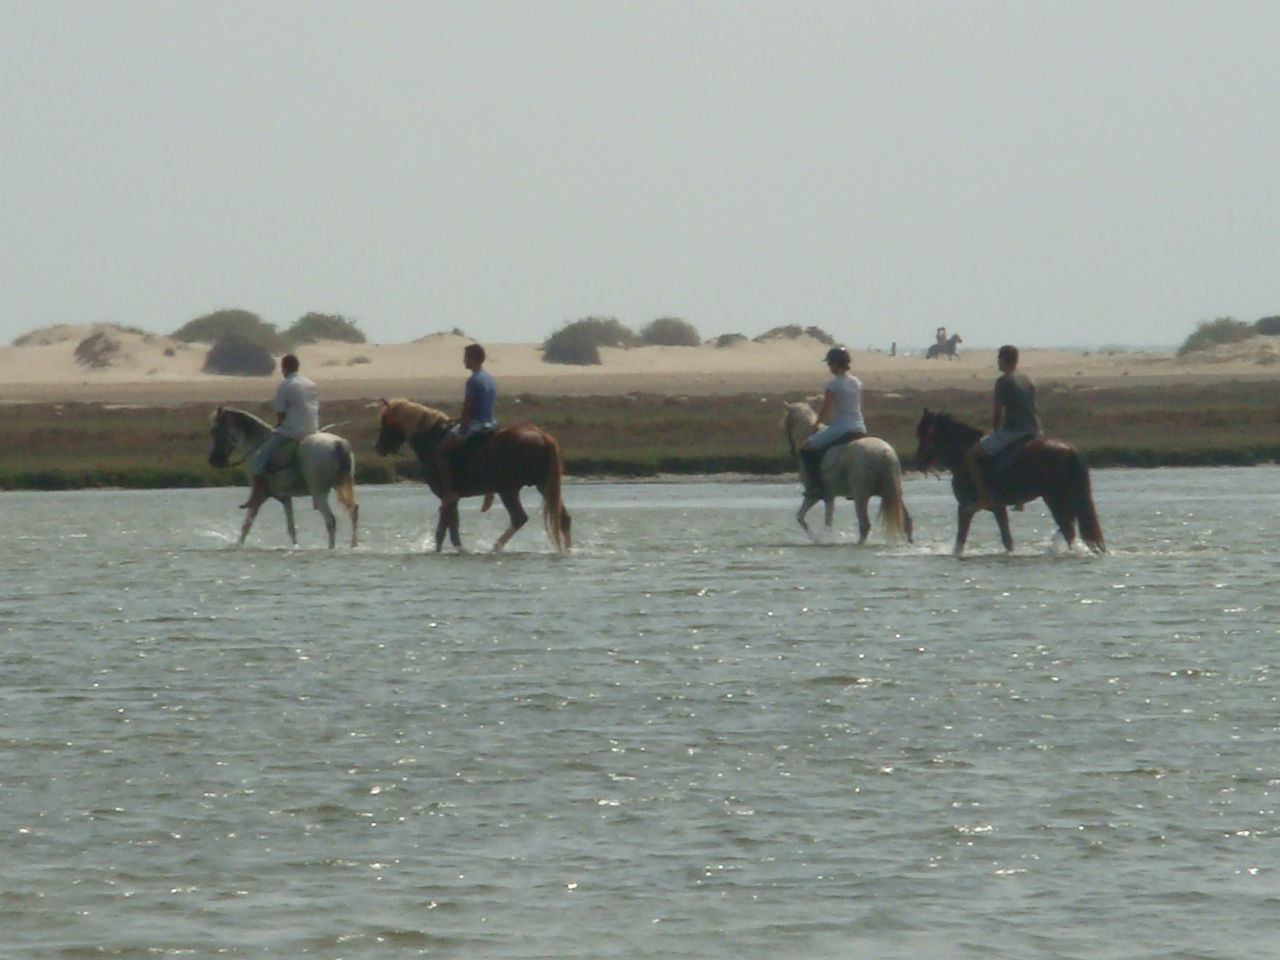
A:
[297,406]
[841,412]
[1013,417]
[476,419]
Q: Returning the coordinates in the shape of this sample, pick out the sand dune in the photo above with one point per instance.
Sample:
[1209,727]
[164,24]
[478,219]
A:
[122,365]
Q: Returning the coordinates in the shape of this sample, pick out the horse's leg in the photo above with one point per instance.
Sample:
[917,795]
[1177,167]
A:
[251,511]
[1002,521]
[442,524]
[906,524]
[828,513]
[455,521]
[287,503]
[964,517]
[805,506]
[346,492]
[1064,518]
[864,518]
[330,521]
[511,500]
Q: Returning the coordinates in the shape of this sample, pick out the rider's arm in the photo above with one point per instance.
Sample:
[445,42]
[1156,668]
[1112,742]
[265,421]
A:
[828,401]
[997,412]
[468,408]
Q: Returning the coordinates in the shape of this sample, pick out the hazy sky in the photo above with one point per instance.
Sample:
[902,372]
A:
[1046,173]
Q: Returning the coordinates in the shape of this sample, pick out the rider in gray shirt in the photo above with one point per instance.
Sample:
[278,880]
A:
[1013,418]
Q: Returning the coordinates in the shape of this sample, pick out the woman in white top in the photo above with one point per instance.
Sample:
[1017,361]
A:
[841,413]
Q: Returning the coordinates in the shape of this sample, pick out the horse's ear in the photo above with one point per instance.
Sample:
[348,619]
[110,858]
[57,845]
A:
[385,402]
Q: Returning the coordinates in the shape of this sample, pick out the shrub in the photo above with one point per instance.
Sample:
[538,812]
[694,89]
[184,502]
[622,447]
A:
[580,341]
[224,324]
[95,351]
[571,344]
[670,332]
[793,331]
[788,332]
[729,339]
[1268,326]
[1211,333]
[323,326]
[238,357]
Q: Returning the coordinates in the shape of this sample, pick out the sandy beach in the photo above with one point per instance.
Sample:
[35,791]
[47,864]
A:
[150,369]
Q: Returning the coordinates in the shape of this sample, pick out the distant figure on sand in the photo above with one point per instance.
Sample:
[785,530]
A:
[945,346]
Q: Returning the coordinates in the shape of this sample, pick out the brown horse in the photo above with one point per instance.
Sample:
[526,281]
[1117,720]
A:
[1043,467]
[513,457]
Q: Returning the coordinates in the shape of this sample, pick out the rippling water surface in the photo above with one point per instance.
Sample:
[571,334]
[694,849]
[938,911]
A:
[699,735]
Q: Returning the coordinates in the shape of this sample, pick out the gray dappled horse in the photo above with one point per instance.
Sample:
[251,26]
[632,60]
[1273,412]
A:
[321,462]
[858,470]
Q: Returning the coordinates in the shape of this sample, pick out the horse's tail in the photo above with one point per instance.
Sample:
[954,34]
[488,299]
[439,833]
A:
[345,460]
[554,516]
[1082,505]
[892,509]
[344,483]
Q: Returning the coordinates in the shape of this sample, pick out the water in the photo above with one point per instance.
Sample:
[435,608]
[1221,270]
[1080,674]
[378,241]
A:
[698,736]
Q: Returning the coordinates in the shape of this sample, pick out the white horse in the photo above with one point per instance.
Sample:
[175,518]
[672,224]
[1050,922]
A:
[858,470]
[323,462]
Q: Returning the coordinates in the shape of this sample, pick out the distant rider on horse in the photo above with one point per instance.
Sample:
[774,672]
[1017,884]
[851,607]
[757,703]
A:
[841,412]
[297,407]
[1013,418]
[476,421]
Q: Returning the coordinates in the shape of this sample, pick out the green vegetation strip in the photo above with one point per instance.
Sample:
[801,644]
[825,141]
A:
[72,446]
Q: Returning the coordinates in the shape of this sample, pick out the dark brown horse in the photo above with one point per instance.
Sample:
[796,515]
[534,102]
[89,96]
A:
[514,457]
[1043,467]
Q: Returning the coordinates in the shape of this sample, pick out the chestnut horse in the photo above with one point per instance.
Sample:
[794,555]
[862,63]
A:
[514,457]
[1042,467]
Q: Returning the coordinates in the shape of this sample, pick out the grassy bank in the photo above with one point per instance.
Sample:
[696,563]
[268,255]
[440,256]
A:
[75,445]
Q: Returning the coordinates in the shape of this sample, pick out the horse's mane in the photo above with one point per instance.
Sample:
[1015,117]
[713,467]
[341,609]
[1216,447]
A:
[414,418]
[946,424]
[802,410]
[243,417]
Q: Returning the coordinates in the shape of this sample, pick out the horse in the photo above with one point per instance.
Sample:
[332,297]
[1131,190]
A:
[513,457]
[945,348]
[322,462]
[858,470]
[1044,467]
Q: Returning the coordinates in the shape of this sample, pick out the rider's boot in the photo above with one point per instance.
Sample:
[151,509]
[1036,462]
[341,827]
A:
[973,459]
[813,473]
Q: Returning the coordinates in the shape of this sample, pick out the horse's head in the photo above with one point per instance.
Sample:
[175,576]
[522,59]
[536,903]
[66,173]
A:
[798,423]
[927,440]
[390,432]
[401,420]
[225,437]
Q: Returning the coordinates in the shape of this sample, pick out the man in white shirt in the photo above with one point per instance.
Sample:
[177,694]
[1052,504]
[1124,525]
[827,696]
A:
[297,408]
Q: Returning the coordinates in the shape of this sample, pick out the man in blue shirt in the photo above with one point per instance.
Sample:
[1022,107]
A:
[476,420]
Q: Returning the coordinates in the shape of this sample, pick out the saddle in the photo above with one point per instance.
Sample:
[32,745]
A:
[467,458]
[1004,461]
[284,456]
